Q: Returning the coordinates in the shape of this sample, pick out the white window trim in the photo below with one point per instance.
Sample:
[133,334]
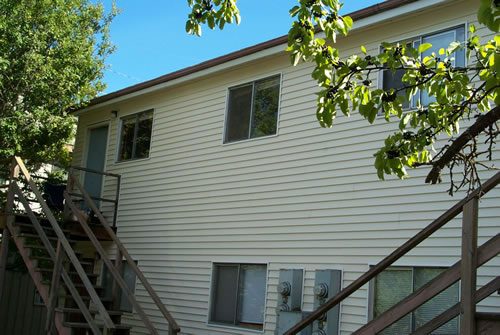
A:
[210,296]
[226,112]
[380,75]
[119,134]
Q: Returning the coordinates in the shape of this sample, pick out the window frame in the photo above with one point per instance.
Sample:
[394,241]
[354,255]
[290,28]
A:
[226,113]
[212,292]
[120,128]
[418,38]
[371,288]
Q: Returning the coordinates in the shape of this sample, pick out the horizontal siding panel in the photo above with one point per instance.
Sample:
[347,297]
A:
[306,198]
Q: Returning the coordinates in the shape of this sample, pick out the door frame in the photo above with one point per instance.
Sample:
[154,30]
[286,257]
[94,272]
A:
[89,128]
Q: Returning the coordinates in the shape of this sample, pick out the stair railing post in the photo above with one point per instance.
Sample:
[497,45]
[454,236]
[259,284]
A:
[116,291]
[9,212]
[469,267]
[69,189]
[54,290]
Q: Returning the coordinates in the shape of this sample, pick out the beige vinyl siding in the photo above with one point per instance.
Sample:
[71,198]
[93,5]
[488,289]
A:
[306,198]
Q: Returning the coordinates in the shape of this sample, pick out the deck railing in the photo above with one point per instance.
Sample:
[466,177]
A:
[70,190]
[63,247]
[472,257]
[115,268]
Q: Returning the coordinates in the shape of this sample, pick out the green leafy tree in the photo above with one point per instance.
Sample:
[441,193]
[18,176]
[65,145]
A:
[52,56]
[454,93]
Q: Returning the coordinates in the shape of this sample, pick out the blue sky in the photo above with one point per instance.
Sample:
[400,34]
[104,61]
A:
[151,40]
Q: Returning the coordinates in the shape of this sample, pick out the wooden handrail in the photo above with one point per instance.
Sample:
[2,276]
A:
[395,255]
[95,171]
[104,256]
[67,247]
[117,194]
[93,198]
[172,323]
[484,292]
[433,287]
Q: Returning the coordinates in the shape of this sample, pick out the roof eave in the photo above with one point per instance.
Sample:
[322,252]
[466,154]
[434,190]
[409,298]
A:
[361,17]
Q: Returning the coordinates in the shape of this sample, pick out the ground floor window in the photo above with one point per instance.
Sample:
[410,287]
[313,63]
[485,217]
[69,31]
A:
[238,295]
[394,284]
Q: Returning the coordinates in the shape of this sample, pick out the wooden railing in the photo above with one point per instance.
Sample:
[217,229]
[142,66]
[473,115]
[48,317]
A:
[472,257]
[122,252]
[114,201]
[63,247]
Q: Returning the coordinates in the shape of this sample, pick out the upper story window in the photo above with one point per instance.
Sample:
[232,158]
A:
[438,40]
[395,283]
[252,110]
[238,295]
[135,136]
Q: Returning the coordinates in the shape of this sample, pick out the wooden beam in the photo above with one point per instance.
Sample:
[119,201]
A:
[54,290]
[7,217]
[487,251]
[128,258]
[4,251]
[469,268]
[394,256]
[453,311]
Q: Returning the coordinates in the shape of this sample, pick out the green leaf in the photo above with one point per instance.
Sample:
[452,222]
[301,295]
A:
[295,58]
[348,21]
[424,47]
[293,12]
[454,46]
[363,49]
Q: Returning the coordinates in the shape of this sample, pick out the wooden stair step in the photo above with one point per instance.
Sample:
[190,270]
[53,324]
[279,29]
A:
[44,258]
[30,225]
[488,323]
[86,325]
[50,238]
[78,311]
[41,247]
[76,285]
[85,298]
[71,273]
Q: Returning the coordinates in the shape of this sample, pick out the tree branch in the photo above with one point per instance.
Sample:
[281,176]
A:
[483,122]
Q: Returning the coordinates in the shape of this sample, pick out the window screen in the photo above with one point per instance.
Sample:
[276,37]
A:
[252,110]
[438,41]
[395,284]
[135,136]
[238,295]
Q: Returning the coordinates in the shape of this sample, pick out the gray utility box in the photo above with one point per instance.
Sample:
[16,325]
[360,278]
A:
[287,320]
[290,290]
[289,309]
[326,285]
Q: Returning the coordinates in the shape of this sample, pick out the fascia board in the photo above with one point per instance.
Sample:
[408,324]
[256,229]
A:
[358,24]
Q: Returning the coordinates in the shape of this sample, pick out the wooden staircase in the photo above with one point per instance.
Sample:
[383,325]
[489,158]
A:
[67,281]
[37,258]
[464,270]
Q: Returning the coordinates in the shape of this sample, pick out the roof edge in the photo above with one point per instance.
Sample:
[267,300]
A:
[357,15]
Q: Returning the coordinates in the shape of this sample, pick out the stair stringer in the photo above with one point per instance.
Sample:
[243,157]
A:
[36,276]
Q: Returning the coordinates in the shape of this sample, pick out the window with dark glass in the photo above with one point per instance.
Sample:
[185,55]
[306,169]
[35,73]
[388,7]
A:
[396,283]
[252,110]
[238,295]
[135,136]
[440,40]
